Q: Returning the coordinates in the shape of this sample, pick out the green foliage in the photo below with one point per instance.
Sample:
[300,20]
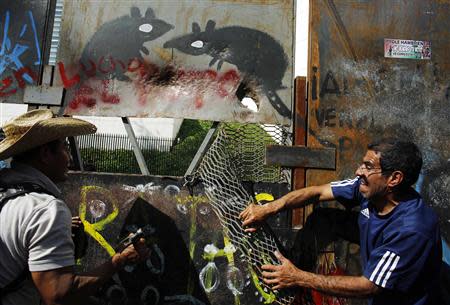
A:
[246,143]
[165,163]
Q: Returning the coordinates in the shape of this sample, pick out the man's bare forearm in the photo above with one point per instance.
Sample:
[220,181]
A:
[88,283]
[345,286]
[302,197]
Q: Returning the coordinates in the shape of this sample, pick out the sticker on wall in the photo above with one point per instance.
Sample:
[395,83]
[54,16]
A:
[410,49]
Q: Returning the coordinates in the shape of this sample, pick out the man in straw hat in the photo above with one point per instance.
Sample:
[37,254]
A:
[35,232]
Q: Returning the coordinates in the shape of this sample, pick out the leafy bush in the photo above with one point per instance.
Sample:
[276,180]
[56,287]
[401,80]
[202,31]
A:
[166,163]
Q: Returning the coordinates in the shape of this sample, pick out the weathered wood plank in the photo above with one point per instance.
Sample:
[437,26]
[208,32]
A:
[299,177]
[301,156]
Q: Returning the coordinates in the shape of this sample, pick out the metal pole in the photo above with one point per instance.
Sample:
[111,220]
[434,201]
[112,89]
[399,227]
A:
[76,156]
[137,151]
[202,149]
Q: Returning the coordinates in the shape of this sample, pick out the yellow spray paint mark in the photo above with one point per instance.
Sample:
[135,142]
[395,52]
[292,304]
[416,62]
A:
[94,228]
[89,228]
[99,225]
[191,202]
[264,196]
[268,297]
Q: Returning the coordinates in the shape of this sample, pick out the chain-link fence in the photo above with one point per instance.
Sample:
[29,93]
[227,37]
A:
[114,153]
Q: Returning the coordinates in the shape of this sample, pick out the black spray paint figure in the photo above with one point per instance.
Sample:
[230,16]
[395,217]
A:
[257,55]
[119,41]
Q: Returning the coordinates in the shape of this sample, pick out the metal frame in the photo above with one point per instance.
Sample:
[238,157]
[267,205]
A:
[202,149]
[137,151]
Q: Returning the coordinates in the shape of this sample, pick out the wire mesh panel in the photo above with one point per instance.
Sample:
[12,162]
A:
[247,143]
[221,171]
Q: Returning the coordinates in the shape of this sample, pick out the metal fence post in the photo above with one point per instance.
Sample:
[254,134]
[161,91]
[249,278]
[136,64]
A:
[137,151]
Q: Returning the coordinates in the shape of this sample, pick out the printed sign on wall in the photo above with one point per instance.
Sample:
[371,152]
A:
[411,49]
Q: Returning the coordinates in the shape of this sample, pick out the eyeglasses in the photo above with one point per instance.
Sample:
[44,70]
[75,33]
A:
[365,166]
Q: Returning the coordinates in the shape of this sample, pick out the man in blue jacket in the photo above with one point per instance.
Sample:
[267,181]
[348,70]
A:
[399,234]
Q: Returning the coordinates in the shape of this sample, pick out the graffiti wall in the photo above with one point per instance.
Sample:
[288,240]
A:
[22,35]
[359,92]
[185,59]
[192,260]
[189,59]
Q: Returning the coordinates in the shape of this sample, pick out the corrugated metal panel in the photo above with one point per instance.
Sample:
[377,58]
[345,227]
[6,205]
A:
[56,32]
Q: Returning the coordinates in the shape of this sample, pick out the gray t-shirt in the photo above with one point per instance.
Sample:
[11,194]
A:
[35,232]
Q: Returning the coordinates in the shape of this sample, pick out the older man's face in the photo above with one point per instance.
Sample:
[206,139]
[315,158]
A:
[373,183]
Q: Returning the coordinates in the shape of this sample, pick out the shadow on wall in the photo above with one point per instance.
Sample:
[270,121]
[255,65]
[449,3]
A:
[325,228]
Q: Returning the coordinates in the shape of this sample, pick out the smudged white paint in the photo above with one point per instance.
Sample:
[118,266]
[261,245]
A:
[182,208]
[171,190]
[146,28]
[197,44]
[235,280]
[97,208]
[210,249]
[229,249]
[140,188]
[209,277]
[250,104]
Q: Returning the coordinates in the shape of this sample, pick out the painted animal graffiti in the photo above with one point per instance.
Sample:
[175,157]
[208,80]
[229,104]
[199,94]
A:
[118,42]
[18,50]
[258,56]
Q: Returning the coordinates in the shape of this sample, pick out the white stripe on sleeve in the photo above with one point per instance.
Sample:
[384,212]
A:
[344,182]
[390,271]
[380,263]
[385,267]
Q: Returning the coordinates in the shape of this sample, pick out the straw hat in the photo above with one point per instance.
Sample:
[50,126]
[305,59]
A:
[38,127]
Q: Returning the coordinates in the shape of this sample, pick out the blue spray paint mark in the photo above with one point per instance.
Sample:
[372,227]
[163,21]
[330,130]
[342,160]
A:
[24,28]
[5,37]
[38,50]
[10,57]
[445,252]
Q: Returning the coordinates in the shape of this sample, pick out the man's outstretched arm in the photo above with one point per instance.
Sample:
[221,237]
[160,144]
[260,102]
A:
[287,275]
[63,286]
[254,214]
